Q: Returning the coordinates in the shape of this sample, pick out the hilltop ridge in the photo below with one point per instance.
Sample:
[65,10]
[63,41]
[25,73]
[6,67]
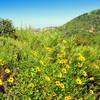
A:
[85,23]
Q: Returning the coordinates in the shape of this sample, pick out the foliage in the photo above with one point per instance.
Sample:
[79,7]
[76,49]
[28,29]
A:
[87,23]
[6,26]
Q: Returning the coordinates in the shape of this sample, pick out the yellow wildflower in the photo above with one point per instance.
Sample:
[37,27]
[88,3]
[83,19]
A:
[61,54]
[67,66]
[1,62]
[63,61]
[11,79]
[41,62]
[67,98]
[79,65]
[75,44]
[57,83]
[95,66]
[64,41]
[60,75]
[62,85]
[91,92]
[63,70]
[47,78]
[84,73]
[91,78]
[78,81]
[7,70]
[38,69]
[48,49]
[1,82]
[15,56]
[81,58]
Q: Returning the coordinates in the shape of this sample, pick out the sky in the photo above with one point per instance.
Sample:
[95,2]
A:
[44,13]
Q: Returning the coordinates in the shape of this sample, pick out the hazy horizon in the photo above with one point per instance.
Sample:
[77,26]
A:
[44,13]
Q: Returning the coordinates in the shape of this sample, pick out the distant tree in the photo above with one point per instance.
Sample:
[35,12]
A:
[6,26]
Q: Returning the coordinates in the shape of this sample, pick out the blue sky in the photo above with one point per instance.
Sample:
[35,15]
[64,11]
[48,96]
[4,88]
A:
[44,13]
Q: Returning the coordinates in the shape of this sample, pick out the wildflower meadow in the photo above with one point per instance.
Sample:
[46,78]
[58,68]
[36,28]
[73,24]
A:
[47,66]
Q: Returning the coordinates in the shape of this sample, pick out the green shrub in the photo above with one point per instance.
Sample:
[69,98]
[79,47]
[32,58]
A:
[79,40]
[6,26]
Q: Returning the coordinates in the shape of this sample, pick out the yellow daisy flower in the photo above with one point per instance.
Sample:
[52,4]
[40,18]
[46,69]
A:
[57,83]
[38,69]
[11,79]
[64,41]
[63,70]
[81,58]
[41,62]
[47,78]
[63,61]
[1,83]
[67,98]
[78,81]
[91,92]
[67,66]
[84,73]
[62,85]
[7,70]
[91,78]
[60,75]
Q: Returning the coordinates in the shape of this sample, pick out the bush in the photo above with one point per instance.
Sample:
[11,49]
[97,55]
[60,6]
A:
[6,26]
[80,40]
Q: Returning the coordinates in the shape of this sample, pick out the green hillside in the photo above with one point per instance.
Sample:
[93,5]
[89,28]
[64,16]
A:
[86,26]
[88,22]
